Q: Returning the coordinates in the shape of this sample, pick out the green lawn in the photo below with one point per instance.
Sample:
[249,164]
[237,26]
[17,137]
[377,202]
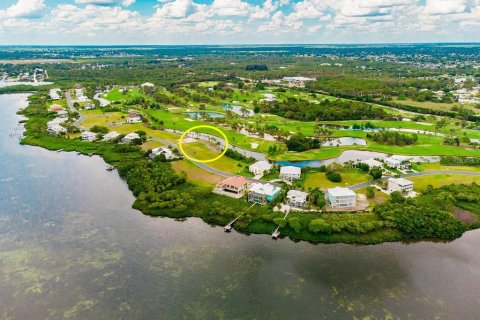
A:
[349,177]
[442,179]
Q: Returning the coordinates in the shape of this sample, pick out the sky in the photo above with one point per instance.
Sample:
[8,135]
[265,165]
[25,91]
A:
[138,22]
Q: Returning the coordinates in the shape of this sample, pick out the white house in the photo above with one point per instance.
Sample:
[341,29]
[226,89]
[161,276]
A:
[260,167]
[62,114]
[297,198]
[56,129]
[290,173]
[130,137]
[401,185]
[147,85]
[110,136]
[80,96]
[372,163]
[89,106]
[56,121]
[341,198]
[133,118]
[54,94]
[165,151]
[398,162]
[261,193]
[89,136]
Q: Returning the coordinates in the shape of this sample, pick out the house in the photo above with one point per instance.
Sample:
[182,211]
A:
[56,121]
[130,137]
[262,193]
[89,136]
[56,108]
[260,167]
[80,96]
[56,129]
[134,118]
[290,173]
[398,162]
[147,85]
[110,136]
[372,163]
[341,198]
[401,185]
[165,151]
[297,198]
[89,106]
[62,114]
[54,94]
[234,185]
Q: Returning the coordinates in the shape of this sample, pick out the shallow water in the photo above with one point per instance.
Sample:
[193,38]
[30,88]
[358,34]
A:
[71,247]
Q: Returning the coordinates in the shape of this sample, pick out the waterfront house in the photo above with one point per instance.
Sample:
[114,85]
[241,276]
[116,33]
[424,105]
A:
[401,185]
[167,153]
[130,137]
[260,168]
[56,129]
[297,198]
[341,198]
[89,136]
[62,114]
[234,186]
[290,173]
[56,108]
[54,94]
[261,193]
[110,136]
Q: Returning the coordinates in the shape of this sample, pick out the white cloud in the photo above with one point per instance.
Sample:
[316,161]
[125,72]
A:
[442,7]
[125,3]
[263,21]
[176,9]
[24,9]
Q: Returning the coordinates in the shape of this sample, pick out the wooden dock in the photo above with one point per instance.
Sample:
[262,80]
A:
[276,233]
[229,227]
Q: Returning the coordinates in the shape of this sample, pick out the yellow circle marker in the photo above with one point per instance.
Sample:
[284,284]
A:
[180,144]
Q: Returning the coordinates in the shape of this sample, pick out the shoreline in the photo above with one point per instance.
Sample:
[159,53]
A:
[212,209]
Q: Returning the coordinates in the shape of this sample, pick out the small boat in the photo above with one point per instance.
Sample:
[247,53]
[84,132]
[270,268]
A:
[110,168]
[227,228]
[60,150]
[275,235]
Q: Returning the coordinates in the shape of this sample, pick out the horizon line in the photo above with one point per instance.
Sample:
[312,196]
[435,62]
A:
[238,44]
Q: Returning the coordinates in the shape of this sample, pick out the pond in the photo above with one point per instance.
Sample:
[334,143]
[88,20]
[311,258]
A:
[17,83]
[202,115]
[239,110]
[348,155]
[71,247]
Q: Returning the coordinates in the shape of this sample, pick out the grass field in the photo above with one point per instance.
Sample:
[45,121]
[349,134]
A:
[438,166]
[433,105]
[442,179]
[349,177]
[149,145]
[116,95]
[196,175]
[202,151]
[99,118]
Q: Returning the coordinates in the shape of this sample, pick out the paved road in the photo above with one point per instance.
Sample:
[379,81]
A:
[206,167]
[68,96]
[418,174]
